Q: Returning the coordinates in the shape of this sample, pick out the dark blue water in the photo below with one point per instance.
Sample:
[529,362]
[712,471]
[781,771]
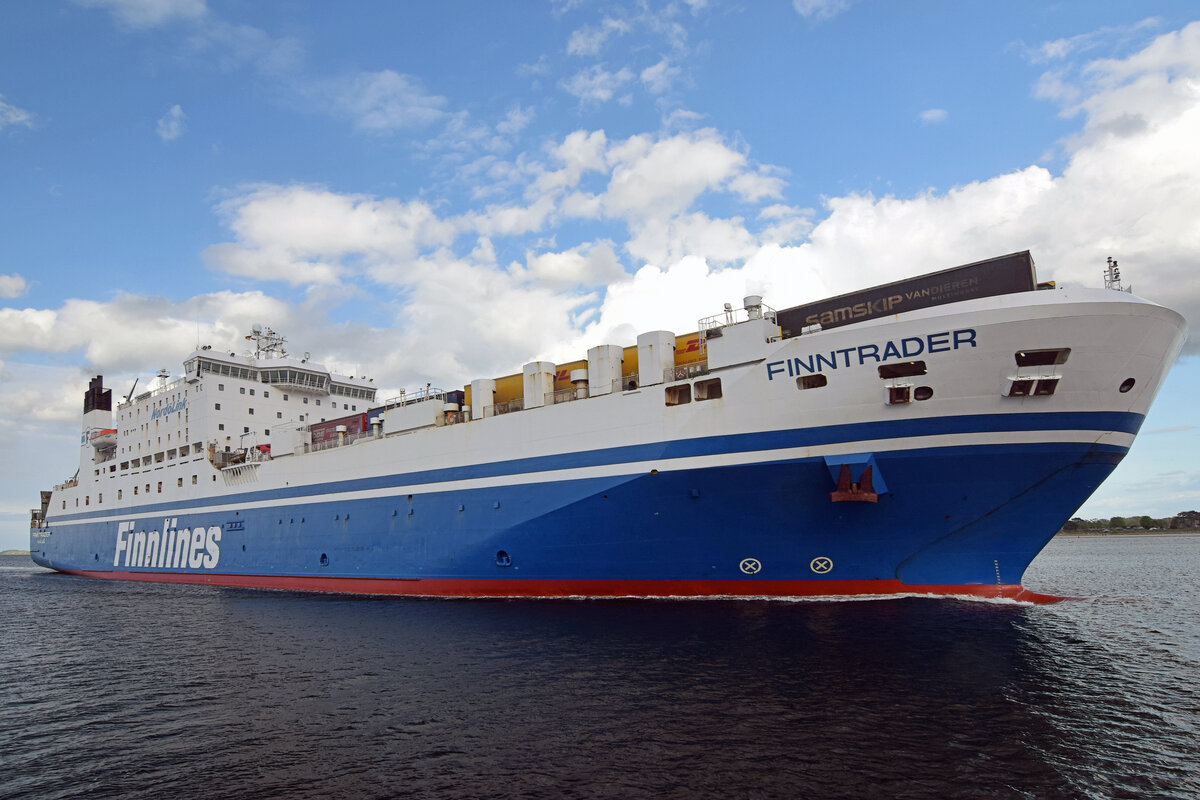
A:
[138,690]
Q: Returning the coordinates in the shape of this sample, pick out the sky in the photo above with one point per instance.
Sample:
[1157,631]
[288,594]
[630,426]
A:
[438,192]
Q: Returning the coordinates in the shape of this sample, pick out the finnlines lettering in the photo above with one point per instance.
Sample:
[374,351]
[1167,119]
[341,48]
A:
[185,548]
[908,347]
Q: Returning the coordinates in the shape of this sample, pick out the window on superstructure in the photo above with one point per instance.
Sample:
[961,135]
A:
[266,394]
[220,426]
[812,381]
[708,390]
[135,490]
[241,389]
[251,392]
[245,430]
[679,395]
[119,493]
[99,498]
[220,387]
[252,412]
[1042,358]
[160,487]
[217,406]
[193,480]
[278,415]
[903,369]
[267,432]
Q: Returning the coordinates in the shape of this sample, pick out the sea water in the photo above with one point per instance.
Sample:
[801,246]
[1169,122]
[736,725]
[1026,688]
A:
[139,690]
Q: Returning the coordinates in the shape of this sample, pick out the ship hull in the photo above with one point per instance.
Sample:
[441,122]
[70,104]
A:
[963,520]
[772,488]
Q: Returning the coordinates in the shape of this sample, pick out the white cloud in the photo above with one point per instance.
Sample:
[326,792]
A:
[587,265]
[11,115]
[932,116]
[172,124]
[753,187]
[590,40]
[143,14]
[1107,37]
[515,121]
[659,78]
[538,69]
[236,46]
[12,286]
[596,84]
[133,332]
[382,102]
[820,9]
[785,224]
[656,179]
[724,241]
[305,235]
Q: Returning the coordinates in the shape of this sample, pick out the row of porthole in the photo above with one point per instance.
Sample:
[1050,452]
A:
[395,513]
[502,559]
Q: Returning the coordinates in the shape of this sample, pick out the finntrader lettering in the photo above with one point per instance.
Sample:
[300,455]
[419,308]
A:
[908,347]
[183,548]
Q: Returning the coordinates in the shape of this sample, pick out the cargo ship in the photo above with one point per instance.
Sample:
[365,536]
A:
[927,436]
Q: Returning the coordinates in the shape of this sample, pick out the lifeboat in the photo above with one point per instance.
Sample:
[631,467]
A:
[104,438]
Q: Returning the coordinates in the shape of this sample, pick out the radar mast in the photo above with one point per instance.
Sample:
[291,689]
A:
[267,343]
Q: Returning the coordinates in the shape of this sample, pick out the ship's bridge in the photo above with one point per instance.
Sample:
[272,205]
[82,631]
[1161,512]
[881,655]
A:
[293,374]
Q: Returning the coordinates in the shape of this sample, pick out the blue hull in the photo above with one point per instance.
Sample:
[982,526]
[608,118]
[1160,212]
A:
[950,516]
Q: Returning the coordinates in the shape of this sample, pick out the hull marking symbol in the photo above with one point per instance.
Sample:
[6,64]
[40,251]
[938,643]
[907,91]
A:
[821,564]
[750,566]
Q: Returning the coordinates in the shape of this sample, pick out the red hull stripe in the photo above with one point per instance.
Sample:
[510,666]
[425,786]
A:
[446,587]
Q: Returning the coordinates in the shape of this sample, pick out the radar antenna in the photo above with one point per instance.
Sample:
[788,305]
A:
[1112,275]
[267,343]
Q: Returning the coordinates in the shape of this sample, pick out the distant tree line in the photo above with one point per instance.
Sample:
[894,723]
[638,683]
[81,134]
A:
[1184,520]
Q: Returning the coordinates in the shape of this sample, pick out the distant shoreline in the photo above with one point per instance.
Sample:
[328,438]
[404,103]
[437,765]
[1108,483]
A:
[1164,532]
[14,552]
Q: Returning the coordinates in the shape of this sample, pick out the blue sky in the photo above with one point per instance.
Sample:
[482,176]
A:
[444,191]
